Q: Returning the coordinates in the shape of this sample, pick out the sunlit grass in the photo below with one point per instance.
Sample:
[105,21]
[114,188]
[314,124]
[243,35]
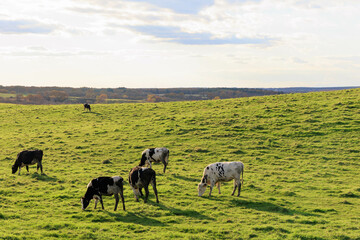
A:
[301,156]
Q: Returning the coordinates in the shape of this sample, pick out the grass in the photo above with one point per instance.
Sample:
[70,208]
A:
[301,156]
[7,95]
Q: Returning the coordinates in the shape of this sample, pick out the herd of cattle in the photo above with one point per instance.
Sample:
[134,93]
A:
[140,177]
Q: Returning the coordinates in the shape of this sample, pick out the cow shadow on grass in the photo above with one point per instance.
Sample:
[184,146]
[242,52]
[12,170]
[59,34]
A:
[136,217]
[263,206]
[181,212]
[94,113]
[43,177]
[188,179]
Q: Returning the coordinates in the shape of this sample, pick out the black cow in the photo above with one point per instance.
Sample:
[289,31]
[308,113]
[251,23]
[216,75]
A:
[26,158]
[140,177]
[87,106]
[106,186]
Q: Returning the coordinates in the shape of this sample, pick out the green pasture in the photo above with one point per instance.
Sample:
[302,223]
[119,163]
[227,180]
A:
[7,95]
[301,154]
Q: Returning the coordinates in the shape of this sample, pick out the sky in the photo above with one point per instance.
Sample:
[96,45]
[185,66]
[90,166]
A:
[180,43]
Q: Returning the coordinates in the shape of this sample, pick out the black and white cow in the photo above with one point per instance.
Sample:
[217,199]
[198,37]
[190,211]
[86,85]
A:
[216,173]
[87,106]
[155,155]
[106,186]
[141,177]
[26,158]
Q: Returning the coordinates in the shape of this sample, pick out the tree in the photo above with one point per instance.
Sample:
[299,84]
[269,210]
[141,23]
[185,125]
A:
[153,98]
[56,96]
[34,98]
[101,98]
[90,93]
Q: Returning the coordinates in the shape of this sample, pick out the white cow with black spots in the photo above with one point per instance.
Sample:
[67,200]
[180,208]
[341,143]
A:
[216,173]
[155,155]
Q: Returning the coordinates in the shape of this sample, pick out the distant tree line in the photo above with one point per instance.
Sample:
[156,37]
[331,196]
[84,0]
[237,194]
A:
[67,95]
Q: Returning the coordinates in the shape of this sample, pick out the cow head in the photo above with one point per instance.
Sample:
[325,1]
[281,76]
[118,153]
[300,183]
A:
[84,203]
[143,160]
[14,168]
[202,186]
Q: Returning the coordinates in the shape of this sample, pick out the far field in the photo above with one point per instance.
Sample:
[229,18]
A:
[301,154]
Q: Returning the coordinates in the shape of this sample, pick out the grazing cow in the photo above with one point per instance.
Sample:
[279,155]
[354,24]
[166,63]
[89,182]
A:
[141,177]
[26,158]
[222,172]
[87,106]
[155,155]
[106,186]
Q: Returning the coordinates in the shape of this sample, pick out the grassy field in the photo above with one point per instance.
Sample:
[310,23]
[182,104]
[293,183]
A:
[301,155]
[7,95]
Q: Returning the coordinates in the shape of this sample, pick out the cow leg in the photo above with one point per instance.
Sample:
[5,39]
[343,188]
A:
[136,194]
[27,168]
[19,170]
[116,201]
[164,162]
[153,184]
[218,186]
[239,189]
[211,188]
[101,201]
[39,166]
[164,167]
[146,193]
[122,198]
[140,191]
[235,185]
[96,201]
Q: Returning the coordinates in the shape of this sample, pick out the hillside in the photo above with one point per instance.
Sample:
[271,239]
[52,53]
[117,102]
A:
[68,95]
[308,89]
[301,156]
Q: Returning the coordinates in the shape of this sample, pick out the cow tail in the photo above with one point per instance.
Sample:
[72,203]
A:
[242,176]
[120,182]
[167,156]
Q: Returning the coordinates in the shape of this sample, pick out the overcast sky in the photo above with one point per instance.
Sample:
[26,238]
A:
[180,43]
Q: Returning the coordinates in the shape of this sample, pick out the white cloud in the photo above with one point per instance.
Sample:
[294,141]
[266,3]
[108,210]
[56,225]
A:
[25,26]
[242,43]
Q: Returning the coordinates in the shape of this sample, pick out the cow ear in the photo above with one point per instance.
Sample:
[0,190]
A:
[204,179]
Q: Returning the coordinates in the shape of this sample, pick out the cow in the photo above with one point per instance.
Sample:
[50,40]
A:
[155,155]
[87,106]
[141,177]
[26,158]
[216,173]
[106,186]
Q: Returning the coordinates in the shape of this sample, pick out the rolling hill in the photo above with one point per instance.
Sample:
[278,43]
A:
[301,180]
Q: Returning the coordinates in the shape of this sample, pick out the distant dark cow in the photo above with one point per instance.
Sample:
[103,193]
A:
[26,158]
[216,173]
[141,177]
[87,106]
[106,186]
[155,155]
